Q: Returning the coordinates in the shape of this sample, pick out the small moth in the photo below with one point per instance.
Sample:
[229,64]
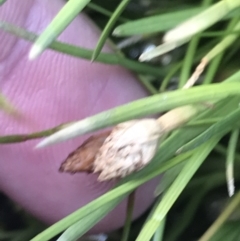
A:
[82,159]
[127,148]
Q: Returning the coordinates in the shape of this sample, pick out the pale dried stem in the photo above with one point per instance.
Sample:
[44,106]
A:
[179,116]
[195,76]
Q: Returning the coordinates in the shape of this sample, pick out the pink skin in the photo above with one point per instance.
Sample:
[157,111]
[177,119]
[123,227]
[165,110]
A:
[51,90]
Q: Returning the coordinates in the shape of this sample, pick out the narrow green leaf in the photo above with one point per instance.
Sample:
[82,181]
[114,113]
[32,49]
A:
[143,107]
[222,218]
[154,24]
[114,195]
[188,214]
[201,21]
[104,11]
[128,221]
[169,177]
[225,43]
[161,22]
[188,61]
[106,31]
[222,46]
[79,228]
[225,124]
[160,231]
[229,231]
[65,16]
[168,46]
[78,52]
[176,188]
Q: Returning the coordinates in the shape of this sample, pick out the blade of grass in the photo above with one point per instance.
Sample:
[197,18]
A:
[79,228]
[64,17]
[168,77]
[146,83]
[191,208]
[225,124]
[106,31]
[158,236]
[104,11]
[78,52]
[230,161]
[162,22]
[229,231]
[25,137]
[188,60]
[113,195]
[209,121]
[214,34]
[169,176]
[143,107]
[189,57]
[176,188]
[219,48]
[222,218]
[184,32]
[201,52]
[212,68]
[128,221]
[225,42]
[154,24]
[44,133]
[201,21]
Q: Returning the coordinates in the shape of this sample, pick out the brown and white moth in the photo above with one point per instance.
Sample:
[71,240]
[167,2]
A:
[127,148]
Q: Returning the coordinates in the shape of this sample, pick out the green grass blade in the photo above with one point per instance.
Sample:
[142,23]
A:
[217,179]
[233,205]
[160,231]
[154,24]
[170,175]
[144,107]
[222,45]
[128,221]
[226,124]
[106,31]
[225,43]
[114,195]
[188,60]
[78,229]
[229,232]
[104,11]
[65,16]
[78,52]
[176,188]
[201,21]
